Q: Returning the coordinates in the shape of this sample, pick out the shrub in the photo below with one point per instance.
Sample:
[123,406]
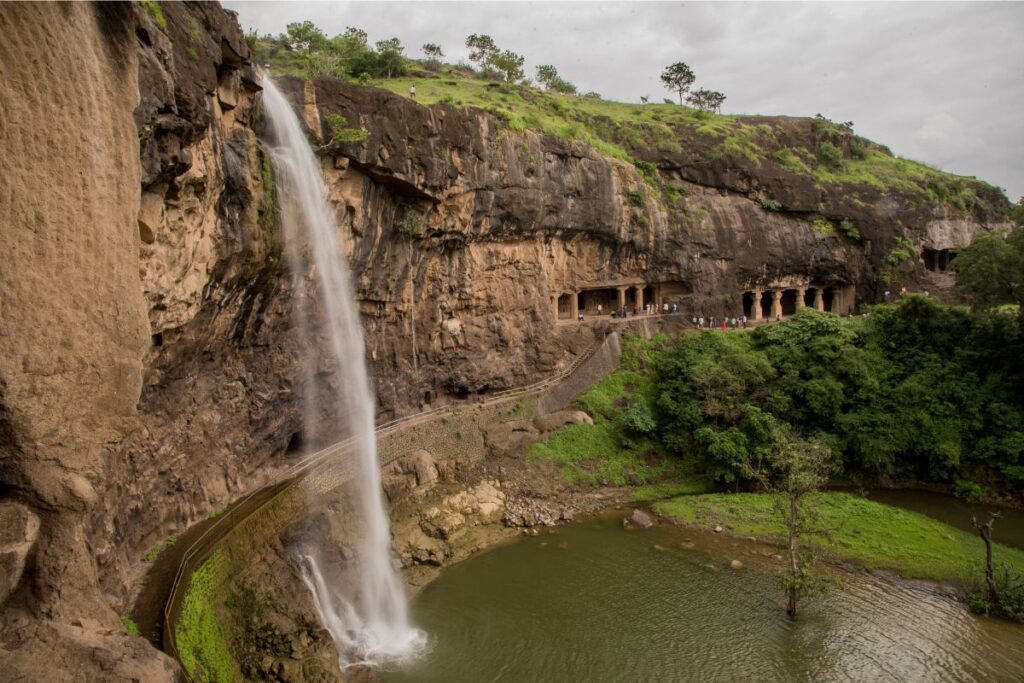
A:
[635,198]
[340,131]
[1010,585]
[411,225]
[637,419]
[846,228]
[770,204]
[830,156]
[969,491]
[824,227]
[902,251]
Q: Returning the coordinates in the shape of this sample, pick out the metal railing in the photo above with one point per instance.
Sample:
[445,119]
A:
[273,494]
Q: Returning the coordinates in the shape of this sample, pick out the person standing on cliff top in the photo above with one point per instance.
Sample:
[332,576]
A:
[412,91]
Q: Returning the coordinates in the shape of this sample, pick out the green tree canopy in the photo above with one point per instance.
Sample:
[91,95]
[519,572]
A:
[678,78]
[990,270]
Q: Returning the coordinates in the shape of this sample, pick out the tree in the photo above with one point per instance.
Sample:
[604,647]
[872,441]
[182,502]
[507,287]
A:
[482,49]
[706,100]
[389,56]
[432,50]
[990,270]
[546,74]
[509,65]
[678,78]
[304,36]
[795,467]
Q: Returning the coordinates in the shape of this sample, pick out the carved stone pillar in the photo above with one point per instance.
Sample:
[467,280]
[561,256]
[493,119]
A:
[755,309]
[819,299]
[776,304]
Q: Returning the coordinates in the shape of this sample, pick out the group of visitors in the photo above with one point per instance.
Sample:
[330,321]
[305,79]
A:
[729,321]
[648,309]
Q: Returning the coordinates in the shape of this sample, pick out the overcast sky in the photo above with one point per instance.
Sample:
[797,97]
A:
[941,83]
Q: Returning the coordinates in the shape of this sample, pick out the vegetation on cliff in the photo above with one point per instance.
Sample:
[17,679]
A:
[823,152]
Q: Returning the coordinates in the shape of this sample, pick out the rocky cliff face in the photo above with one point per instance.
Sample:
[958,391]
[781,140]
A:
[149,367]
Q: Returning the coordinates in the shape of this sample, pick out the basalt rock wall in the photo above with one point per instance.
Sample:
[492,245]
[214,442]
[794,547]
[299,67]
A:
[150,368]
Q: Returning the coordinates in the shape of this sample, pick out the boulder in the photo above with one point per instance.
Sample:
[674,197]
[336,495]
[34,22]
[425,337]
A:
[553,421]
[640,519]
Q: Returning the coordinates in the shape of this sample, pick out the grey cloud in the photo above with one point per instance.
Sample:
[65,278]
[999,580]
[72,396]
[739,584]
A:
[942,83]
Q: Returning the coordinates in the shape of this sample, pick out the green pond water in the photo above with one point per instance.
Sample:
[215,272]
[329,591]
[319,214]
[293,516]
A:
[595,602]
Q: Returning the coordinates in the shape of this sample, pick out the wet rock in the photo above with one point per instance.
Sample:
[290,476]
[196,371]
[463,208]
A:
[639,519]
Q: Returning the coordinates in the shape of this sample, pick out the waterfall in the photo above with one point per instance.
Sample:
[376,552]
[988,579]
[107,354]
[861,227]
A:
[374,627]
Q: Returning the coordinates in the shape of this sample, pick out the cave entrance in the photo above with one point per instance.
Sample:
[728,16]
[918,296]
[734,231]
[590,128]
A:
[565,307]
[829,297]
[649,295]
[748,304]
[937,260]
[766,305]
[789,297]
[809,296]
[607,298]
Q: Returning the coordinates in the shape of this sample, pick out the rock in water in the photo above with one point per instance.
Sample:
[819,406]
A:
[640,519]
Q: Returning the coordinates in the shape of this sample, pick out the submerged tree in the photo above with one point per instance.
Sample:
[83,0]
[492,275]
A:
[678,78]
[791,469]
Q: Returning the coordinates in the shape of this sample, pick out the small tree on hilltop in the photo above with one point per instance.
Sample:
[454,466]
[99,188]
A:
[678,78]
[304,36]
[547,76]
[482,49]
[432,51]
[706,100]
[509,65]
[390,56]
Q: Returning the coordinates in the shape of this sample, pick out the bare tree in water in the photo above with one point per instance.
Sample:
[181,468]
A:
[795,468]
[985,531]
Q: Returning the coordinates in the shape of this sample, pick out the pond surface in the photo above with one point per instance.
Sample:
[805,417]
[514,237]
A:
[1008,529]
[595,602]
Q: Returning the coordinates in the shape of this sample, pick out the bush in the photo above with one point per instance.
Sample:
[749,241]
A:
[130,626]
[846,228]
[770,204]
[969,491]
[635,198]
[830,156]
[637,419]
[1010,585]
[341,133]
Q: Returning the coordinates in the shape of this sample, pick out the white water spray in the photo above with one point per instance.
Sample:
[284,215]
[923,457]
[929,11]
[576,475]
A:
[375,627]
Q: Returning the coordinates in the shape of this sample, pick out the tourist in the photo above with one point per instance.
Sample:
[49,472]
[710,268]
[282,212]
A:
[579,316]
[723,322]
[599,309]
[926,292]
[744,319]
[412,91]
[664,308]
[675,308]
[700,323]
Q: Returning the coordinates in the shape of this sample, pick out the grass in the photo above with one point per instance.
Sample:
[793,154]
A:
[656,492]
[156,12]
[130,626]
[606,451]
[875,535]
[612,128]
[163,545]
[203,646]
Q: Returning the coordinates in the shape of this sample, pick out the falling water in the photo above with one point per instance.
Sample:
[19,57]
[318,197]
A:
[374,627]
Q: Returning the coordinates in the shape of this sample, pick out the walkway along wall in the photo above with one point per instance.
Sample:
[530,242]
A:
[259,517]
